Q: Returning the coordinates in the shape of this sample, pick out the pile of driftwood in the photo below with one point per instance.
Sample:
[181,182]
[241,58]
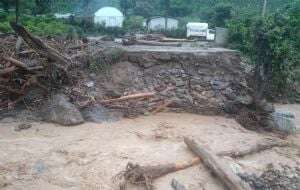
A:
[144,175]
[18,78]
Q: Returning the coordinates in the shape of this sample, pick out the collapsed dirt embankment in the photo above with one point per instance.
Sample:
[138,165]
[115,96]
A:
[208,81]
[197,81]
[135,80]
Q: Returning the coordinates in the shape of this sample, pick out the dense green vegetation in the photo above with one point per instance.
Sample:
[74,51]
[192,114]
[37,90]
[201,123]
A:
[272,42]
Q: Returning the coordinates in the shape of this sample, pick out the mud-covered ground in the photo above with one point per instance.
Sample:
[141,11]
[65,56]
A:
[51,157]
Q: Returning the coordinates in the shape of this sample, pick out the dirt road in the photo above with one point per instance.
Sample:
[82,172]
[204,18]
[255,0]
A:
[87,157]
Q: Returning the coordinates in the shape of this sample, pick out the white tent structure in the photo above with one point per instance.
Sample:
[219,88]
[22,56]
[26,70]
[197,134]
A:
[109,16]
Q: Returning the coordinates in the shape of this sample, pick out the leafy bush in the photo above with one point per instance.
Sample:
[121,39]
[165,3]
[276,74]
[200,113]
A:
[3,16]
[45,26]
[272,43]
[41,25]
[5,27]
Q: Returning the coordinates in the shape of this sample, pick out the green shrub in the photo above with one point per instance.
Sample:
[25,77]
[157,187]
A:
[3,16]
[5,27]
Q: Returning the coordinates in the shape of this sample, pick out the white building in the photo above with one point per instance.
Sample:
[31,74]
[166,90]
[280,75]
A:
[63,16]
[109,16]
[159,23]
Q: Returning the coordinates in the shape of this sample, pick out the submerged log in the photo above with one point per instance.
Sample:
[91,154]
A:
[217,166]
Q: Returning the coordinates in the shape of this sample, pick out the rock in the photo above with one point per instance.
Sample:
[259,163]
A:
[176,185]
[23,126]
[231,107]
[265,107]
[230,94]
[39,167]
[100,114]
[246,100]
[59,110]
[219,85]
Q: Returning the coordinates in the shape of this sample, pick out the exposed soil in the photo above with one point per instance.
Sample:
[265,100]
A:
[48,157]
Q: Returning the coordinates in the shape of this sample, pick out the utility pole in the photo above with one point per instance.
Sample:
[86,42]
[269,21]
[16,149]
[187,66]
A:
[264,8]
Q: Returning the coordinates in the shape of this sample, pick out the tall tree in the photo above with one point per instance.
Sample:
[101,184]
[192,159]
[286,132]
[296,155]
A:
[222,13]
[126,5]
[43,6]
[17,5]
[145,8]
[167,12]
[7,4]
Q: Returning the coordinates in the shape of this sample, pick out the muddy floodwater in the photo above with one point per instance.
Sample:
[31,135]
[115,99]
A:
[47,156]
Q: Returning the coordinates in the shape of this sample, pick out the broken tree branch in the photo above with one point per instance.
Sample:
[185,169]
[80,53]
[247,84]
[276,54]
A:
[7,70]
[161,107]
[136,174]
[129,97]
[217,166]
[22,65]
[40,47]
[254,149]
[16,62]
[15,91]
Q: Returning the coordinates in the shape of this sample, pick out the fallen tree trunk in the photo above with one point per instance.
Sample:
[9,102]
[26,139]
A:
[255,149]
[22,65]
[40,47]
[129,97]
[136,174]
[217,166]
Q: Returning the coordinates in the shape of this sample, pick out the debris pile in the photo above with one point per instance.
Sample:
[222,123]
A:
[275,179]
[133,81]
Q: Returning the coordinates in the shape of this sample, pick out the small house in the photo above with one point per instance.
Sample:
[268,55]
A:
[159,23]
[109,17]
